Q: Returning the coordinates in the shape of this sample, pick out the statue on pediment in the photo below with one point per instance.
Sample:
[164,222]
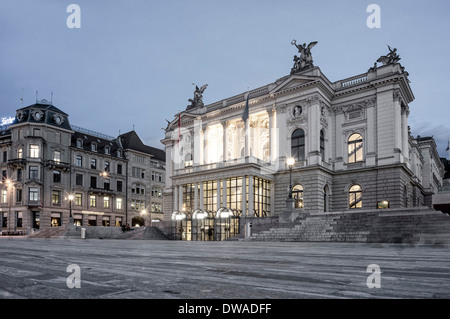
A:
[304,61]
[391,58]
[197,101]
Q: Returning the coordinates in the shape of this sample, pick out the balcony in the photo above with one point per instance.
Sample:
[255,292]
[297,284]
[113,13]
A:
[101,191]
[227,164]
[17,162]
[51,164]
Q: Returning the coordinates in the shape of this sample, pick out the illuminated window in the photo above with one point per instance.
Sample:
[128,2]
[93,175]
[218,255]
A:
[92,201]
[297,194]
[355,148]
[106,202]
[78,199]
[34,151]
[119,203]
[56,197]
[298,145]
[355,196]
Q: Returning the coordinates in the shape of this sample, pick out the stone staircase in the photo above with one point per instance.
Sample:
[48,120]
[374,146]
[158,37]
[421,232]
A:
[413,225]
[146,233]
[53,232]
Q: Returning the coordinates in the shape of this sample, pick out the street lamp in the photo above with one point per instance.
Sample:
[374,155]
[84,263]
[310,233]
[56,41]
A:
[70,198]
[290,163]
[144,213]
[8,183]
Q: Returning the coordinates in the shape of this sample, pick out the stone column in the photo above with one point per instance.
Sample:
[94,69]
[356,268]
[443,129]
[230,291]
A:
[195,196]
[175,199]
[250,195]
[244,197]
[198,143]
[224,192]
[180,197]
[201,204]
[218,193]
[224,140]
[405,141]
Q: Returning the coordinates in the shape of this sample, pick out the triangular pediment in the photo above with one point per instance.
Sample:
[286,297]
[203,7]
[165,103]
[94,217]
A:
[294,81]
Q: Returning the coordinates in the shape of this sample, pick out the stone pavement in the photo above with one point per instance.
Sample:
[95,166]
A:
[37,268]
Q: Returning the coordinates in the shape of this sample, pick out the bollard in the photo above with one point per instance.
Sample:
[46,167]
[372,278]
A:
[83,233]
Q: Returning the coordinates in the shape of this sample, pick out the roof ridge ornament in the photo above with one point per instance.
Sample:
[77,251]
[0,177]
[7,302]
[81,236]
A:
[197,101]
[391,58]
[304,61]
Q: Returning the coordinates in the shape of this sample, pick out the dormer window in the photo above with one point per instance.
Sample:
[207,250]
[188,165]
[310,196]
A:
[94,147]
[79,143]
[119,153]
[107,150]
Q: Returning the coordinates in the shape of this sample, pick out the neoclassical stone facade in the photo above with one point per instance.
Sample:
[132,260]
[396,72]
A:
[350,140]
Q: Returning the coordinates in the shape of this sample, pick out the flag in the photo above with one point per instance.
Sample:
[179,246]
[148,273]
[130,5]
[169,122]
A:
[179,126]
[448,145]
[245,115]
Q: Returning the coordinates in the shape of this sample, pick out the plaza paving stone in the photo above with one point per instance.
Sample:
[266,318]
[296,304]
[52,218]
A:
[37,268]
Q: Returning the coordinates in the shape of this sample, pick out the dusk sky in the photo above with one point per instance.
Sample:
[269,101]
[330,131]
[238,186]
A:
[134,62]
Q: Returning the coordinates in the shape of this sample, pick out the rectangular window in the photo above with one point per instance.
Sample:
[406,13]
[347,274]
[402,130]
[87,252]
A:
[5,156]
[34,172]
[119,169]
[56,197]
[20,152]
[57,156]
[79,143]
[105,221]
[18,195]
[56,177]
[93,163]
[79,161]
[78,199]
[106,202]
[93,182]
[107,150]
[106,166]
[79,179]
[94,147]
[92,201]
[34,151]
[19,219]
[33,194]
[210,195]
[55,219]
[106,184]
[119,203]
[4,219]
[19,174]
[119,186]
[4,196]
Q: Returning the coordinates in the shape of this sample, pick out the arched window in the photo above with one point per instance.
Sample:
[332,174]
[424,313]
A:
[355,148]
[326,199]
[322,145]
[298,145]
[355,196]
[297,194]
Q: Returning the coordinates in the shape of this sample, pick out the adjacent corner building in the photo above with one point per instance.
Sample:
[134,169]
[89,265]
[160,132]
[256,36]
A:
[52,169]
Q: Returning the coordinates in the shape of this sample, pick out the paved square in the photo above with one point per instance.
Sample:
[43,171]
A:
[37,268]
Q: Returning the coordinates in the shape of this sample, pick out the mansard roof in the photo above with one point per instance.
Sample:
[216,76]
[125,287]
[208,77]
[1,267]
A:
[132,141]
[43,112]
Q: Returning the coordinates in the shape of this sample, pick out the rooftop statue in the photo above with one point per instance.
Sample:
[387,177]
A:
[390,58]
[197,101]
[304,61]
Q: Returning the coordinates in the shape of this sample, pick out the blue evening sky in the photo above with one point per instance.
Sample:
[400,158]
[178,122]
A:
[133,62]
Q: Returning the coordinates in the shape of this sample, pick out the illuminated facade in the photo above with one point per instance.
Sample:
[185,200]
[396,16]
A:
[350,140]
